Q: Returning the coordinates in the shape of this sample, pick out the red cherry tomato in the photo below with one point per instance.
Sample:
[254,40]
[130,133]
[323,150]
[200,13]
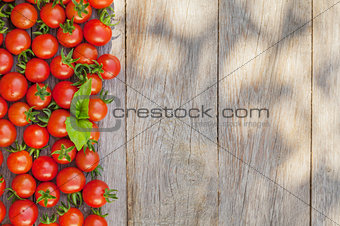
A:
[56,125]
[100,4]
[2,185]
[96,85]
[97,109]
[23,213]
[73,217]
[52,16]
[86,53]
[97,33]
[95,134]
[39,99]
[45,46]
[71,12]
[96,193]
[3,107]
[111,66]
[63,93]
[44,168]
[63,151]
[36,136]
[43,191]
[8,133]
[24,185]
[17,41]
[2,211]
[70,180]
[13,86]
[95,220]
[16,114]
[87,161]
[37,70]
[24,16]
[19,162]
[71,39]
[60,70]
[6,61]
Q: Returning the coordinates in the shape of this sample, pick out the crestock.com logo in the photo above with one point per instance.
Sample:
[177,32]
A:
[119,113]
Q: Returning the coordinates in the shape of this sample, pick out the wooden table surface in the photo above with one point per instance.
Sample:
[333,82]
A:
[280,55]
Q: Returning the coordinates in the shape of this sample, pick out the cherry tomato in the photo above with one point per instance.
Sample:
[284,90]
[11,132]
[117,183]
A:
[95,134]
[8,133]
[70,180]
[2,185]
[72,39]
[97,33]
[56,125]
[71,12]
[96,193]
[37,70]
[44,190]
[36,136]
[24,16]
[2,211]
[64,151]
[39,99]
[19,162]
[111,66]
[97,109]
[52,16]
[16,114]
[24,185]
[60,70]
[86,53]
[87,161]
[45,46]
[13,86]
[100,4]
[73,217]
[44,168]
[6,61]
[95,220]
[3,107]
[96,85]
[17,41]
[63,93]
[23,213]
[1,157]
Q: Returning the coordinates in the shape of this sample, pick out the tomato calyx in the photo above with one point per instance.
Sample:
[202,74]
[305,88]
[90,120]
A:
[76,199]
[31,116]
[46,114]
[80,7]
[96,172]
[68,26]
[12,195]
[60,2]
[98,212]
[3,28]
[45,219]
[106,17]
[90,145]
[63,208]
[23,58]
[110,195]
[68,60]
[5,12]
[42,28]
[81,71]
[42,92]
[97,68]
[64,153]
[45,196]
[17,147]
[2,179]
[104,97]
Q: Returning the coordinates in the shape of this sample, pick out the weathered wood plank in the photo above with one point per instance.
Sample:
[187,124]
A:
[278,80]
[171,55]
[326,108]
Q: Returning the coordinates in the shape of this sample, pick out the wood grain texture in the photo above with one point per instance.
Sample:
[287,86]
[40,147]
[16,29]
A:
[326,108]
[279,80]
[171,55]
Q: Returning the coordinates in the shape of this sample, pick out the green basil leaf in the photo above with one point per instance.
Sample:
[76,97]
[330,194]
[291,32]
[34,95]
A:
[79,131]
[80,101]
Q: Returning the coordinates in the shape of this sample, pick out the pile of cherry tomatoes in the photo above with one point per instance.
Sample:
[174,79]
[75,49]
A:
[68,111]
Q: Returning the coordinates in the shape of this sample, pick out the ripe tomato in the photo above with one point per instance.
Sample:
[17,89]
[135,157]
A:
[52,16]
[47,194]
[72,11]
[23,213]
[100,4]
[63,151]
[86,53]
[37,70]
[8,133]
[56,125]
[73,217]
[97,33]
[111,66]
[2,211]
[16,114]
[96,220]
[13,86]
[24,16]
[97,109]
[70,38]
[63,93]
[44,168]
[3,107]
[19,162]
[6,61]
[39,96]
[95,134]
[2,185]
[70,180]
[17,41]
[45,46]
[24,185]
[36,136]
[96,85]
[87,161]
[60,70]
[96,194]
